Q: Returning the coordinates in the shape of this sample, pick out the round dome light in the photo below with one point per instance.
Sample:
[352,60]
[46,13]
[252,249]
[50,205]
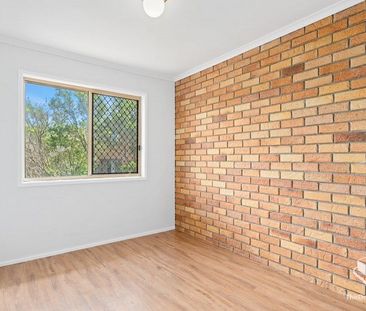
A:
[154,8]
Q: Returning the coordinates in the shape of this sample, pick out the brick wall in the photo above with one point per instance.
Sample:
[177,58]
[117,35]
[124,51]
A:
[271,152]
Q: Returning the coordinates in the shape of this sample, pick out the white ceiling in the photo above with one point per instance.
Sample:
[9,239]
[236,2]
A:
[189,34]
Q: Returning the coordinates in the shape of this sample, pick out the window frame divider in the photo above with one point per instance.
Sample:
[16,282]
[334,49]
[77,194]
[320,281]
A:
[90,133]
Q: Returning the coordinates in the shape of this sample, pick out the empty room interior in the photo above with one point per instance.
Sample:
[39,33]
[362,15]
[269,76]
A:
[183,155]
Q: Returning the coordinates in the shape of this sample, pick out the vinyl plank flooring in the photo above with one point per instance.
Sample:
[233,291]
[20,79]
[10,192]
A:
[167,271]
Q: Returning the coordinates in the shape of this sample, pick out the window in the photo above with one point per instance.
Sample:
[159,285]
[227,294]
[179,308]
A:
[74,132]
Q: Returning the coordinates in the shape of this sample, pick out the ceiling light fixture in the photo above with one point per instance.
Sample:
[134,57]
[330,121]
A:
[154,8]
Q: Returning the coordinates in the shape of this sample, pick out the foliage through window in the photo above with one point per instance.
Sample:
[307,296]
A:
[76,132]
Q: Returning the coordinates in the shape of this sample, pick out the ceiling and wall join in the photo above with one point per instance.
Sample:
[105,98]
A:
[188,37]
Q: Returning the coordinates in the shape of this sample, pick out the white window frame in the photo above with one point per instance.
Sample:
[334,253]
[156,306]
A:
[49,181]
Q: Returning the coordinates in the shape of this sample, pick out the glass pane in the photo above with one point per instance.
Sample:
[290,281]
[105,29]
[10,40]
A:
[115,135]
[56,122]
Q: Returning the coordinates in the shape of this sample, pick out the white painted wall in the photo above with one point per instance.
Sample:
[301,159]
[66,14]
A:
[35,221]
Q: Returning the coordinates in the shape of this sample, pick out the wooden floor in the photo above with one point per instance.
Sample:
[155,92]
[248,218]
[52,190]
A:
[167,271]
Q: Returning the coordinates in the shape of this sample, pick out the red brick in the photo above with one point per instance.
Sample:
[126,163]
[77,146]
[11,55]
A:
[289,71]
[350,137]
[355,73]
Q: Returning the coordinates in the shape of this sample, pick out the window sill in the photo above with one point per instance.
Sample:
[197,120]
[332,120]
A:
[75,181]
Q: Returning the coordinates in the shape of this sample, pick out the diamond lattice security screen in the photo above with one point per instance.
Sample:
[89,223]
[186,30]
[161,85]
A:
[114,134]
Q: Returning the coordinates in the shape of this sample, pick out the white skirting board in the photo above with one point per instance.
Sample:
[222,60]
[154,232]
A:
[85,246]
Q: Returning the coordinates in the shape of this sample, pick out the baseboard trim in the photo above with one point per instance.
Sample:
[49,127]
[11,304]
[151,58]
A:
[84,246]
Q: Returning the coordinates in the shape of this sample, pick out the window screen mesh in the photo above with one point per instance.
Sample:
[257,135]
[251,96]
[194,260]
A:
[115,135]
